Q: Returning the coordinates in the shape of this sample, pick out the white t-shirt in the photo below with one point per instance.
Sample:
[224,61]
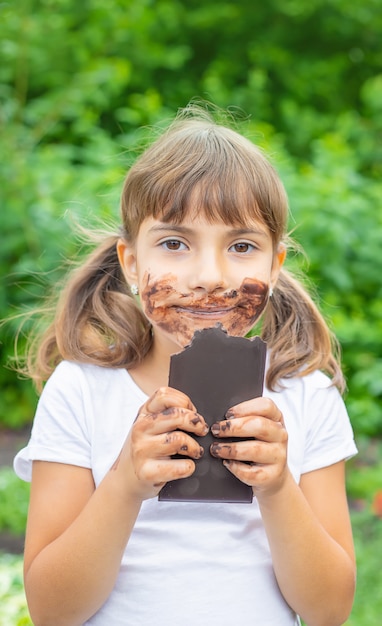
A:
[185,563]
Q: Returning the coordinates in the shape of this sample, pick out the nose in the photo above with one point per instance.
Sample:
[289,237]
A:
[208,272]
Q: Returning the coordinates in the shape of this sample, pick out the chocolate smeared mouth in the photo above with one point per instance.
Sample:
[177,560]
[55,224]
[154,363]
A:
[180,314]
[206,310]
[211,309]
[222,303]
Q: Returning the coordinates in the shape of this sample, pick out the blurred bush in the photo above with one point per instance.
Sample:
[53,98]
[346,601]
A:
[77,81]
[14,495]
[13,606]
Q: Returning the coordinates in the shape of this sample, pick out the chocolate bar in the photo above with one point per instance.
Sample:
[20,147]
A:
[217,371]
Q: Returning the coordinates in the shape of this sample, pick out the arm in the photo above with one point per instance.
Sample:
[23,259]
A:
[307,525]
[312,549]
[76,534]
[74,542]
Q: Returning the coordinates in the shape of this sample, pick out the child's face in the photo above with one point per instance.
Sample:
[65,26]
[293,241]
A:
[195,274]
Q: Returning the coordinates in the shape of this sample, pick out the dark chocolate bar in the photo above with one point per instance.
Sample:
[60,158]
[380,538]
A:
[217,371]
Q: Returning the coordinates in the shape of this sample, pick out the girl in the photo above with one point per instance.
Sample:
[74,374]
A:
[204,217]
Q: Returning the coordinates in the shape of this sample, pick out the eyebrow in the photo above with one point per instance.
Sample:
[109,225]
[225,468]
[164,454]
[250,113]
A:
[185,230]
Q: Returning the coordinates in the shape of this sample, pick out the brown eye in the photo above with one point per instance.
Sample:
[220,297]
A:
[242,247]
[173,244]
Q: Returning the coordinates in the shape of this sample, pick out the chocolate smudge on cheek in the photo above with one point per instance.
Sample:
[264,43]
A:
[159,299]
[252,299]
[156,294]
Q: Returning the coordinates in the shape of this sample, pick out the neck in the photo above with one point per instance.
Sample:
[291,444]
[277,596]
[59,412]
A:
[153,372]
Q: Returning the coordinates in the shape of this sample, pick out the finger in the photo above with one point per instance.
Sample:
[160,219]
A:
[173,418]
[256,427]
[250,451]
[177,442]
[160,471]
[165,398]
[256,476]
[264,407]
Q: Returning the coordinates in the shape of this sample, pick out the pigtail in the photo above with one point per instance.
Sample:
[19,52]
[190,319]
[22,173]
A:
[97,320]
[297,335]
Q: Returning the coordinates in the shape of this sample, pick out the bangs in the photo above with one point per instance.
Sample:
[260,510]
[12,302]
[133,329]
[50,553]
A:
[198,167]
[217,195]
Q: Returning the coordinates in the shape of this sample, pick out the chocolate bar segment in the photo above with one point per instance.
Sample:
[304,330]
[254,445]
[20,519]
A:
[216,371]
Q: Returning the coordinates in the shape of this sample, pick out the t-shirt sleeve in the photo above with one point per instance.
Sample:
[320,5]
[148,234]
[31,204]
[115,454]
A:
[329,437]
[61,431]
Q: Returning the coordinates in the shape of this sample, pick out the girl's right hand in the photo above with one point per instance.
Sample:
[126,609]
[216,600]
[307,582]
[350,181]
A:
[160,431]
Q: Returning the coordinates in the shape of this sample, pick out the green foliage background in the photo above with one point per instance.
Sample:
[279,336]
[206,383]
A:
[79,79]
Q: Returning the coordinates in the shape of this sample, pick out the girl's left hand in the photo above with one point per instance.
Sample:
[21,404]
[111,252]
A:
[260,462]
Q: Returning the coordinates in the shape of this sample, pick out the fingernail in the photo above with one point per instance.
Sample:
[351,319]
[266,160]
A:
[215,429]
[201,452]
[214,449]
[230,414]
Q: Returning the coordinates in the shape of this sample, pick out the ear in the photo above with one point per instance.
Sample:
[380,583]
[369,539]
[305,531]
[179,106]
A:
[278,262]
[127,260]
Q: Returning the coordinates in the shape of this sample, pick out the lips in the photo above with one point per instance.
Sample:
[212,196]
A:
[205,311]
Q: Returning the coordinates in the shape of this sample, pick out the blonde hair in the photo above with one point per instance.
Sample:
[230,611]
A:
[98,321]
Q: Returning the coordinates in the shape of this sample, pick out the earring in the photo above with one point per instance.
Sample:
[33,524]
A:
[134,289]
[270,291]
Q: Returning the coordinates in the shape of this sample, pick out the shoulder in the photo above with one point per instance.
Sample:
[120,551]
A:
[308,382]
[71,377]
[317,421]
[80,372]
[308,392]
[313,403]
[82,417]
[84,394]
